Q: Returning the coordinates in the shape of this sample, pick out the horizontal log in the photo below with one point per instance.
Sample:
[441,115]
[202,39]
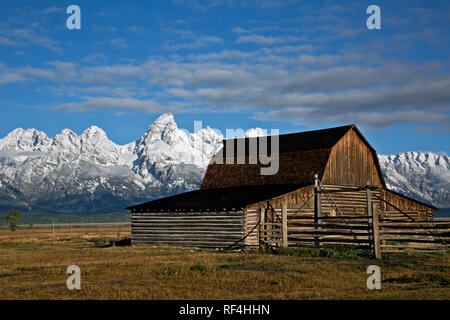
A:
[412,227]
[180,224]
[211,232]
[184,238]
[437,233]
[415,223]
[328,245]
[402,247]
[188,239]
[332,240]
[187,224]
[416,250]
[196,220]
[330,226]
[338,217]
[196,244]
[417,240]
[328,232]
[188,214]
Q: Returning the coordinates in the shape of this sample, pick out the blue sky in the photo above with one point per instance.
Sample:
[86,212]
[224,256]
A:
[290,65]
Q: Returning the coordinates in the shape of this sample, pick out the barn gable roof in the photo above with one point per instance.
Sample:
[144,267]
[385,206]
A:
[301,156]
[231,187]
[221,199]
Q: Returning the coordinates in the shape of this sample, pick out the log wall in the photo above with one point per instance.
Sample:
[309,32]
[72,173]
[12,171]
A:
[190,229]
[414,209]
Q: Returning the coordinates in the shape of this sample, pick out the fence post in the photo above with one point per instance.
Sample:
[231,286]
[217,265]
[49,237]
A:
[262,220]
[317,207]
[376,232]
[284,225]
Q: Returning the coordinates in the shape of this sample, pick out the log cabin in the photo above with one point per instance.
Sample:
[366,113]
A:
[336,167]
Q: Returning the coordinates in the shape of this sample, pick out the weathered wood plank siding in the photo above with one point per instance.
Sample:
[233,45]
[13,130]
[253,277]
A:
[251,220]
[189,229]
[352,163]
[414,209]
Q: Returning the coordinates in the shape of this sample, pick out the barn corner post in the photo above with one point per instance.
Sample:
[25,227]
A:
[317,207]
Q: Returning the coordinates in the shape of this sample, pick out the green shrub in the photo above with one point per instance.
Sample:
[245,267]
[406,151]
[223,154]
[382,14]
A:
[13,219]
[198,268]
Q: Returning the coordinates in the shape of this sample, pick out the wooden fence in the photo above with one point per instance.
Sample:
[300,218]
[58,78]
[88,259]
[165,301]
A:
[425,236]
[329,231]
[381,236]
[366,229]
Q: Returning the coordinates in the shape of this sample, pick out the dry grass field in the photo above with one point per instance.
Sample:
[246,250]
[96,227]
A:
[33,266]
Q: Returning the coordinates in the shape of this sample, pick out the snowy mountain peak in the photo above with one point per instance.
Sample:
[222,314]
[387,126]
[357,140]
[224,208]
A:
[421,175]
[95,136]
[90,173]
[164,119]
[164,129]
[93,131]
[24,140]
[67,140]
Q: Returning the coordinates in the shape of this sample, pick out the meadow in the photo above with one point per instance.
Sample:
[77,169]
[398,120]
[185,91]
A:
[33,264]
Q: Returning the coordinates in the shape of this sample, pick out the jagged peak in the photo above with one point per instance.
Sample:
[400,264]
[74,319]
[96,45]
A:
[92,130]
[164,119]
[67,132]
[20,132]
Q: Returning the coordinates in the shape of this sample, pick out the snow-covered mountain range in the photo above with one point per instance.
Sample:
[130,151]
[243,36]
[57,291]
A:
[90,173]
[424,176]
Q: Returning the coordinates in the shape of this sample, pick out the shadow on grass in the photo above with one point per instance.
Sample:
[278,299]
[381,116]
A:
[332,252]
[112,243]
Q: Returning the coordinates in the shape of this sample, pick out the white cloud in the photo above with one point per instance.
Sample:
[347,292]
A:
[118,43]
[30,36]
[97,103]
[53,10]
[266,40]
[136,29]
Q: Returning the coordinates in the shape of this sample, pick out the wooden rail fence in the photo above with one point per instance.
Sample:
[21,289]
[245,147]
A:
[329,231]
[380,234]
[425,236]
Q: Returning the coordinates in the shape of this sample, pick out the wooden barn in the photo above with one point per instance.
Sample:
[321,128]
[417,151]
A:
[323,175]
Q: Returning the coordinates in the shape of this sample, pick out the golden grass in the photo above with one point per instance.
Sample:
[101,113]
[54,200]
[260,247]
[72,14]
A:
[33,266]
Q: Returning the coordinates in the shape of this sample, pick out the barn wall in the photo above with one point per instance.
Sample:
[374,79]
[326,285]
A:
[294,200]
[190,229]
[351,163]
[414,209]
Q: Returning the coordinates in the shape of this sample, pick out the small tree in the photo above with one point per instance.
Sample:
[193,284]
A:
[13,219]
